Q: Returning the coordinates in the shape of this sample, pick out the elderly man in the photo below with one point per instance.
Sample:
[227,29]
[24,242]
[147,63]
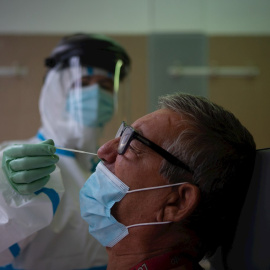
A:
[169,188]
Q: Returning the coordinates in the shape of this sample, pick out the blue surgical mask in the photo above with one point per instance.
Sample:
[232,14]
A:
[99,193]
[91,107]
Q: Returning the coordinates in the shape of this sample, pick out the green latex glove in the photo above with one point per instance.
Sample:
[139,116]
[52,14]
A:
[28,166]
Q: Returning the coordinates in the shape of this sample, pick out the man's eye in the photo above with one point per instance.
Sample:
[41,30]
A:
[131,148]
[135,149]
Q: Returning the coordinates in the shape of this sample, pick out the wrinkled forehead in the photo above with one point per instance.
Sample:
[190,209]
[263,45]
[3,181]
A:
[159,124]
[161,117]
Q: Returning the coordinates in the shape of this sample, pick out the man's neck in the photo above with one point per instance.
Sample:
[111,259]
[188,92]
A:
[170,259]
[144,243]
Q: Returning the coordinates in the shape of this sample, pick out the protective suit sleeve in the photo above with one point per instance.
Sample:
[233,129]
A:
[21,216]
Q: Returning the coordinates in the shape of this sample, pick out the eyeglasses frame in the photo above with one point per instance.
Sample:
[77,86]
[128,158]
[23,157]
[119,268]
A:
[161,151]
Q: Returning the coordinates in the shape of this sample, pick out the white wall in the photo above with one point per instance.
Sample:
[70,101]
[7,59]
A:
[242,17]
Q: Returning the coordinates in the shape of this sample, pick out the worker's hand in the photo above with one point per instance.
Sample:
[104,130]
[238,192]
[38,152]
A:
[28,166]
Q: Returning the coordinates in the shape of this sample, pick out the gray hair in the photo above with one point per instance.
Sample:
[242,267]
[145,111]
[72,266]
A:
[221,152]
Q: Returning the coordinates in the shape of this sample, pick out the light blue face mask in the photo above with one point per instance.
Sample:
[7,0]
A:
[91,107]
[99,193]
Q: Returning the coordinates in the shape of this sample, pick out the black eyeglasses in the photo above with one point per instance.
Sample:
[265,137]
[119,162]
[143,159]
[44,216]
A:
[128,133]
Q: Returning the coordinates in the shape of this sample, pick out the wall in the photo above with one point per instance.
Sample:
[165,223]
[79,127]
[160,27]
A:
[248,98]
[245,17]
[19,115]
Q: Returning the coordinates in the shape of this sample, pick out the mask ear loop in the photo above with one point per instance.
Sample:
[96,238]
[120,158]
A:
[150,188]
[147,224]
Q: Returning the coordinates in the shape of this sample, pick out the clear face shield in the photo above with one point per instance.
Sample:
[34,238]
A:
[122,96]
[77,102]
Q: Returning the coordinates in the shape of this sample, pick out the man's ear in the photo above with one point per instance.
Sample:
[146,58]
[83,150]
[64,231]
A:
[181,203]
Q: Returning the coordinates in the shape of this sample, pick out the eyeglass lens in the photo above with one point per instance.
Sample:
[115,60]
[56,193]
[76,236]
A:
[120,130]
[125,140]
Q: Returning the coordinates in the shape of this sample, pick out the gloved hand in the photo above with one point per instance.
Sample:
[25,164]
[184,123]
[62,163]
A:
[28,166]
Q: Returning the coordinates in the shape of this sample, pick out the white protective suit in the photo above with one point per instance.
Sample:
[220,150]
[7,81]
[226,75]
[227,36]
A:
[40,231]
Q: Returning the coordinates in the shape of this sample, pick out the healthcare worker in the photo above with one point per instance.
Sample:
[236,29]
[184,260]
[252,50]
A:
[40,222]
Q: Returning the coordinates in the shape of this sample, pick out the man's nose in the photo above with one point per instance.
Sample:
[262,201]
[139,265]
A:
[108,151]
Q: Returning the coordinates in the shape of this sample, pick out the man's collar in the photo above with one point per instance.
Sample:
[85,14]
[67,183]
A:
[169,260]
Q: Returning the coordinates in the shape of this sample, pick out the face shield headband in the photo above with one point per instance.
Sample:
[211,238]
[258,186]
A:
[98,195]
